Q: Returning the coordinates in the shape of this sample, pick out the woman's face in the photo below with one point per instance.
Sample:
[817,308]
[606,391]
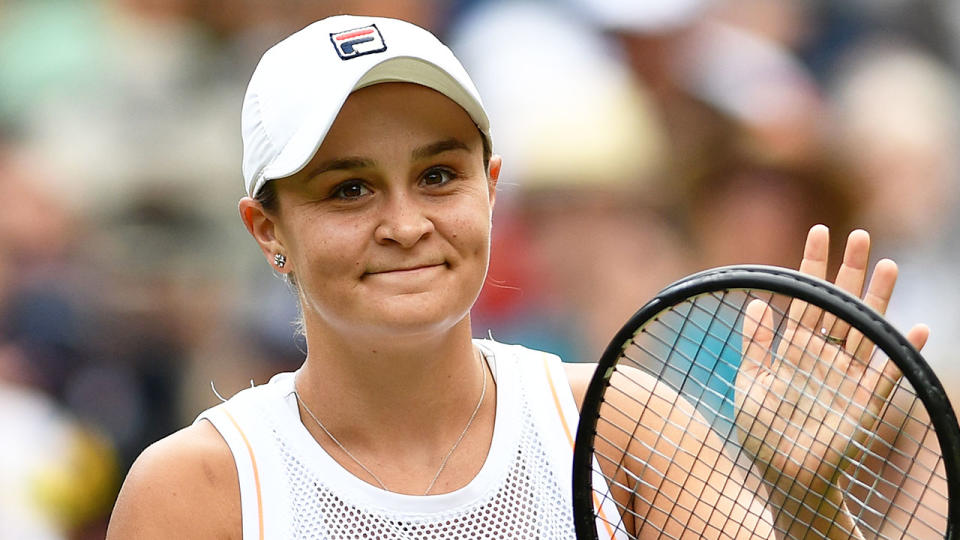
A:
[388,228]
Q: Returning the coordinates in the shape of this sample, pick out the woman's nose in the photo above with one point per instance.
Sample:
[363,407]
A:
[403,221]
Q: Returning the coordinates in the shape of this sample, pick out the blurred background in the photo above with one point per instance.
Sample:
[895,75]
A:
[642,141]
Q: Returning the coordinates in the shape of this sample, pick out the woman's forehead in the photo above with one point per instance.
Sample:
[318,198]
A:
[399,114]
[400,95]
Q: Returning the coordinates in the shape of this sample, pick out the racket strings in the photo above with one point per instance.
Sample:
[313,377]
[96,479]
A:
[866,452]
[688,371]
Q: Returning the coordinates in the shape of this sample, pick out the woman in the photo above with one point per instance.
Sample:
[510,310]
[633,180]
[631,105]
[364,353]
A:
[371,186]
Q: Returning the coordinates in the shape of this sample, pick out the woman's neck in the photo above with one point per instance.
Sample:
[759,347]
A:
[369,392]
[401,409]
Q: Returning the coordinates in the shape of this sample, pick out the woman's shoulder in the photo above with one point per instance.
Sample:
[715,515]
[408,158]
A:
[578,374]
[183,486]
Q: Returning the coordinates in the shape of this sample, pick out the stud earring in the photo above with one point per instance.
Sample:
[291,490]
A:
[280,260]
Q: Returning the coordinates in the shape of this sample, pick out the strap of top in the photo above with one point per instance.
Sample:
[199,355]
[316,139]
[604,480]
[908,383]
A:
[248,471]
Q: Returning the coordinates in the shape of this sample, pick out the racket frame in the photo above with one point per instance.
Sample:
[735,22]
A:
[812,290]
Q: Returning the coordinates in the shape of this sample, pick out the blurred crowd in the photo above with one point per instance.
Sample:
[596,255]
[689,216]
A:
[642,141]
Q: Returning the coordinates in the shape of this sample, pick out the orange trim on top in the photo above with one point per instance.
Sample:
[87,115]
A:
[569,433]
[256,474]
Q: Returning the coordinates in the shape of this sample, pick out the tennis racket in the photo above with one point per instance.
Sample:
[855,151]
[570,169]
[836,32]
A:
[754,401]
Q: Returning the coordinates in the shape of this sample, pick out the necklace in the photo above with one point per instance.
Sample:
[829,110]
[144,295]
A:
[443,463]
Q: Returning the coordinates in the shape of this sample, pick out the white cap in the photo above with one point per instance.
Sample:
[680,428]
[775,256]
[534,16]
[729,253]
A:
[300,84]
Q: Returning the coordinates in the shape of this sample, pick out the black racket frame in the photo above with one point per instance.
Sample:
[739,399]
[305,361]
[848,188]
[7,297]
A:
[801,286]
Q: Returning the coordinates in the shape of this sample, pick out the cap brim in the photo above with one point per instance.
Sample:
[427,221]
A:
[301,148]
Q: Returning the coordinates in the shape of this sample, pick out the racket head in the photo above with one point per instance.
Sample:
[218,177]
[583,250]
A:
[771,282]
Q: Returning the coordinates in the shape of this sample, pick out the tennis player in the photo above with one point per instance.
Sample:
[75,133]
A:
[371,186]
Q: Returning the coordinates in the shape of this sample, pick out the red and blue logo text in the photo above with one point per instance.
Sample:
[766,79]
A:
[358,42]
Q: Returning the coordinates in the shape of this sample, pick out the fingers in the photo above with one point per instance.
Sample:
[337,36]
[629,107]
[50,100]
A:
[881,285]
[882,384]
[814,263]
[891,374]
[815,252]
[877,297]
[850,277]
[757,335]
[918,335]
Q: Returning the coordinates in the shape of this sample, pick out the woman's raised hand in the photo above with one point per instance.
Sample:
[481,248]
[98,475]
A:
[807,399]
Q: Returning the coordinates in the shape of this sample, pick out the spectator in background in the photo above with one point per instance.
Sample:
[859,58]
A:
[899,126]
[58,476]
[580,203]
[711,113]
[650,39]
[58,470]
[745,210]
[745,117]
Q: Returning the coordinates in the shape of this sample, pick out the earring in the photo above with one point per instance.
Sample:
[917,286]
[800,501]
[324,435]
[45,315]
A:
[280,260]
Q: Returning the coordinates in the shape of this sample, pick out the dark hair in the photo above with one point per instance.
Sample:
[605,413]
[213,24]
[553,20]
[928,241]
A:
[487,152]
[267,197]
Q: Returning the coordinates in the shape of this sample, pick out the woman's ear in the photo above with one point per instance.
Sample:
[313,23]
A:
[263,227]
[493,176]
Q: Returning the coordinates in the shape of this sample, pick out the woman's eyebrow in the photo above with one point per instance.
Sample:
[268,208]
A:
[421,152]
[339,164]
[438,147]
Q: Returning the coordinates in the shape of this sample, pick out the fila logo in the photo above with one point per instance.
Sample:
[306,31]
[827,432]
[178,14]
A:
[358,42]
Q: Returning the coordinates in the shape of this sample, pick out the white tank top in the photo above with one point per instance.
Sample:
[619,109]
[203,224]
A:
[291,488]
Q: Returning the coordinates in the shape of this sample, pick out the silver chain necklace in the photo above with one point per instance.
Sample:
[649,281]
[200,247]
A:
[443,463]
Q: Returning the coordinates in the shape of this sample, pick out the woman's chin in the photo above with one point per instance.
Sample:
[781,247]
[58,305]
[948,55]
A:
[407,321]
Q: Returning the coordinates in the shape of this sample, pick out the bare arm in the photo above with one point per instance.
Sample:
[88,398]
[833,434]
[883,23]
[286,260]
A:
[677,479]
[184,486]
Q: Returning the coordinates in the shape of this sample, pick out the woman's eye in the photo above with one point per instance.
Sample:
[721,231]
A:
[350,190]
[437,177]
